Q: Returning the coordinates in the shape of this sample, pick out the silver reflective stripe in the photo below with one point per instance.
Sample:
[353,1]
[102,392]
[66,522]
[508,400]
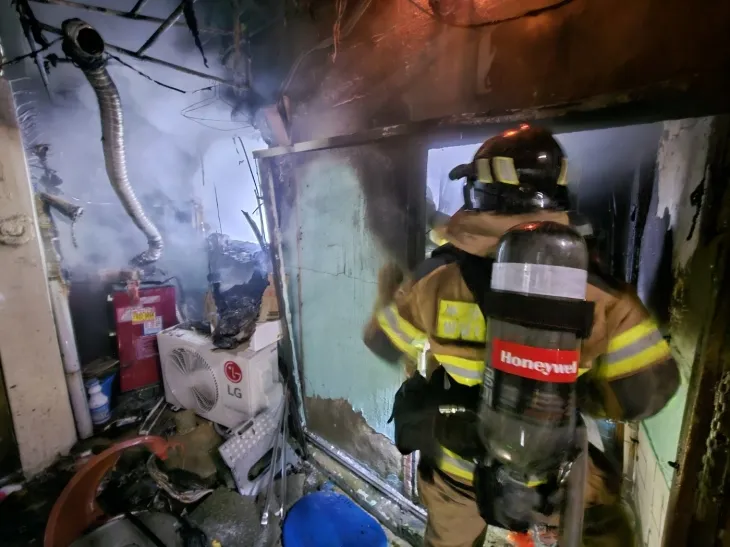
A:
[423,359]
[463,372]
[634,348]
[466,466]
[392,320]
[540,279]
[585,230]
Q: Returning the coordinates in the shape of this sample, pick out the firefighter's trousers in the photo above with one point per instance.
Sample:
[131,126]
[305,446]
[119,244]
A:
[454,520]
[453,517]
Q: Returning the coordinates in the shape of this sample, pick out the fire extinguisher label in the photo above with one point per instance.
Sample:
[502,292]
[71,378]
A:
[544,365]
[142,315]
[153,327]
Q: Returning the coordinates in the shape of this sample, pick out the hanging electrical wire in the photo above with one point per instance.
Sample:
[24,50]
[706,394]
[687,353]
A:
[324,44]
[340,7]
[256,189]
[133,14]
[32,54]
[54,59]
[191,21]
[194,111]
[529,13]
[50,28]
[150,78]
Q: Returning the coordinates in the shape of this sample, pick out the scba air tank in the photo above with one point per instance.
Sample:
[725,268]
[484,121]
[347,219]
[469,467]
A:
[528,409]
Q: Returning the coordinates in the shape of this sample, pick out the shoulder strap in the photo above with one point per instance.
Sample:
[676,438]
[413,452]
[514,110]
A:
[477,274]
[446,254]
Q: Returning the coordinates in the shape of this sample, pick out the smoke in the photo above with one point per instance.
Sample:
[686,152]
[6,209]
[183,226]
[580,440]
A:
[180,147]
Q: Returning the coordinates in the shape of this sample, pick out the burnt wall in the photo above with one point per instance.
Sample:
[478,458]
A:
[399,64]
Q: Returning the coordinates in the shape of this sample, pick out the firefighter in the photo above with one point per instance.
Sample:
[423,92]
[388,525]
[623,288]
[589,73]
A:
[627,372]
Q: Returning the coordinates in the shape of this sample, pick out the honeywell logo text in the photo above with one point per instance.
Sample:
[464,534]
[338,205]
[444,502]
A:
[541,364]
[543,368]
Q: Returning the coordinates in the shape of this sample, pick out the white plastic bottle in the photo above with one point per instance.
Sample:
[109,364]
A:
[98,404]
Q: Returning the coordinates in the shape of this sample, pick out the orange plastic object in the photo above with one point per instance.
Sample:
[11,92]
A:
[520,540]
[76,508]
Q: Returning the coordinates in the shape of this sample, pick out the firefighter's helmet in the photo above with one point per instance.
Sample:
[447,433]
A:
[519,171]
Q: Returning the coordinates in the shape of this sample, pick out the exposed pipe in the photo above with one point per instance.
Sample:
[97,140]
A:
[145,58]
[2,60]
[571,523]
[132,14]
[265,532]
[138,6]
[62,312]
[37,54]
[408,472]
[69,210]
[170,21]
[85,47]
[368,476]
[70,358]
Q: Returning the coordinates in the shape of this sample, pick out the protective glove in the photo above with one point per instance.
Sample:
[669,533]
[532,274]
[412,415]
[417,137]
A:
[414,413]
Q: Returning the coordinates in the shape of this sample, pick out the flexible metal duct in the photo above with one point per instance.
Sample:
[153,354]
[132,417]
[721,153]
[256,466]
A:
[85,47]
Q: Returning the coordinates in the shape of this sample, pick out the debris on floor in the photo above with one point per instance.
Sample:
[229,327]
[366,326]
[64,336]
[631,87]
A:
[201,454]
[179,492]
[227,517]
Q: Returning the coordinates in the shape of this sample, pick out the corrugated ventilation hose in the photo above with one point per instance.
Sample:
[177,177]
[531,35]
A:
[85,48]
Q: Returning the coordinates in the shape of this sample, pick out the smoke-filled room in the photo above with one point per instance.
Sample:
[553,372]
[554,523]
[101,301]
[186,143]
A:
[364,273]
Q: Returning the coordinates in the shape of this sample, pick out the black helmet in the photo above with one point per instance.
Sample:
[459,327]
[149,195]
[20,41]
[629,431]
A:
[519,171]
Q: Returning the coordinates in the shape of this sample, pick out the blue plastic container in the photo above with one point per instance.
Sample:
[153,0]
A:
[107,385]
[328,519]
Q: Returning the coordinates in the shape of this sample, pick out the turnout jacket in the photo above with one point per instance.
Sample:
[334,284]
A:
[626,369]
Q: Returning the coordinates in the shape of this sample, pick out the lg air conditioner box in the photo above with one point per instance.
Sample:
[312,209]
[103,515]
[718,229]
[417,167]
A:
[227,387]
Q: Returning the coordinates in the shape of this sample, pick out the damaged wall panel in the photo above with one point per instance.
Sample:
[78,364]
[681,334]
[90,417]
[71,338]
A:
[671,237]
[338,422]
[327,203]
[697,506]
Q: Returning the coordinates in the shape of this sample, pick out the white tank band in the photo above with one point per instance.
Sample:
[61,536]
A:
[539,279]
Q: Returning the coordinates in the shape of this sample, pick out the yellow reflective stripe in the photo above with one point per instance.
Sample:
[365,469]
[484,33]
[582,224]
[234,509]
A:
[632,335]
[460,321]
[563,177]
[455,465]
[404,336]
[484,173]
[632,350]
[436,239]
[398,342]
[504,170]
[653,354]
[406,327]
[458,467]
[582,371]
[468,372]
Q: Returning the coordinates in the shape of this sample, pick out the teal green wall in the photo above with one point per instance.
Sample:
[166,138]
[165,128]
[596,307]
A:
[663,431]
[333,261]
[691,310]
